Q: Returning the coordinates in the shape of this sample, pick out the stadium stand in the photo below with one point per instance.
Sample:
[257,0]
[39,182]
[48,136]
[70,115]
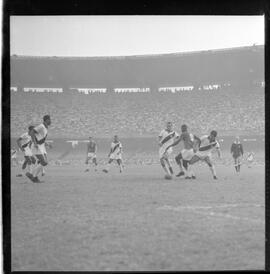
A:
[237,105]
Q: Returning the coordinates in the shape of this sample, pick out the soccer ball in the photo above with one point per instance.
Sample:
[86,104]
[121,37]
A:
[168,177]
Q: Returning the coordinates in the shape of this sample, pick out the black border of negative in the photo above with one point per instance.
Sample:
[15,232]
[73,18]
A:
[118,7]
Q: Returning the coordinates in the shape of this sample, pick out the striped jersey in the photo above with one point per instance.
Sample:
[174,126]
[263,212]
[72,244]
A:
[26,140]
[167,137]
[116,148]
[206,145]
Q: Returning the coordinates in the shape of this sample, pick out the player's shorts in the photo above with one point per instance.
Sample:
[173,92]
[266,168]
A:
[203,155]
[91,155]
[187,154]
[28,152]
[116,156]
[39,150]
[163,153]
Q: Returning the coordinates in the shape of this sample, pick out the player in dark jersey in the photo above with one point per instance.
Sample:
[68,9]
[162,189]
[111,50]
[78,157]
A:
[183,158]
[91,153]
[237,153]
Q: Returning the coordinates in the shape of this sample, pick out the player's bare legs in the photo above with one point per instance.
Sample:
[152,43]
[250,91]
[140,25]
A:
[189,171]
[178,160]
[106,170]
[169,165]
[120,164]
[211,166]
[163,164]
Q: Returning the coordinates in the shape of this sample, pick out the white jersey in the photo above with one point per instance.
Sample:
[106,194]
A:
[26,140]
[167,138]
[207,146]
[41,133]
[116,150]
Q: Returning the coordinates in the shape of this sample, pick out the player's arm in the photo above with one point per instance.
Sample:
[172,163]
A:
[177,140]
[18,141]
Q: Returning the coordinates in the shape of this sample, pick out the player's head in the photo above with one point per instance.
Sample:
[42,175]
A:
[47,119]
[30,128]
[213,135]
[237,139]
[169,126]
[184,128]
[115,138]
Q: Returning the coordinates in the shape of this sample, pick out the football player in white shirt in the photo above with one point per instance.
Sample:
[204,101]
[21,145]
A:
[115,154]
[165,139]
[39,135]
[204,153]
[24,142]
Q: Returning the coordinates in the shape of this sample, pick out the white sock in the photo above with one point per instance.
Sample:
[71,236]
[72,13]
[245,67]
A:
[213,170]
[37,170]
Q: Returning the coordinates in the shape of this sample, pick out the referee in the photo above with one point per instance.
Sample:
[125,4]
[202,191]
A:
[237,153]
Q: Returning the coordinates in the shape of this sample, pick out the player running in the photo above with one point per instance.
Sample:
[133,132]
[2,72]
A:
[39,135]
[183,158]
[14,160]
[24,142]
[91,153]
[204,153]
[115,154]
[166,138]
[237,153]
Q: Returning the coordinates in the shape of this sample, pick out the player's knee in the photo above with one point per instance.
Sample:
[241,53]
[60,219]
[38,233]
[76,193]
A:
[185,164]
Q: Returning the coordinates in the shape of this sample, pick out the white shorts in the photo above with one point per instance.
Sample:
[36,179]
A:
[39,150]
[187,154]
[14,157]
[91,155]
[115,156]
[163,153]
[203,155]
[28,151]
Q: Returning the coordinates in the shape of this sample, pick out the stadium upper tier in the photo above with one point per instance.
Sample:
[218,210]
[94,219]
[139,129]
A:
[235,65]
[76,116]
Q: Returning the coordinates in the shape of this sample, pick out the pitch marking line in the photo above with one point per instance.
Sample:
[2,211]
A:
[209,212]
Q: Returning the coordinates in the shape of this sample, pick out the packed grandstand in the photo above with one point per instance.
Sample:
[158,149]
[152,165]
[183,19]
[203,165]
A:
[136,95]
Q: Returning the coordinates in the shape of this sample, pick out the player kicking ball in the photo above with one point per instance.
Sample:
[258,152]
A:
[115,154]
[166,138]
[91,153]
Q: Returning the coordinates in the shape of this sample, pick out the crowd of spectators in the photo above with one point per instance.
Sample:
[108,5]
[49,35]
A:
[139,114]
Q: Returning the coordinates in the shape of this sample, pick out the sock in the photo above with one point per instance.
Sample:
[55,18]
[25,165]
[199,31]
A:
[213,170]
[239,168]
[37,170]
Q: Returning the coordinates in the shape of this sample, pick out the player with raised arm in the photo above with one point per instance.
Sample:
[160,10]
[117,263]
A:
[115,154]
[166,138]
[183,158]
[91,153]
[24,142]
[237,153]
[207,146]
[39,135]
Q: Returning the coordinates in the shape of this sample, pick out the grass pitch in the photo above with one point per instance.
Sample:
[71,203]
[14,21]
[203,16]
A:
[136,220]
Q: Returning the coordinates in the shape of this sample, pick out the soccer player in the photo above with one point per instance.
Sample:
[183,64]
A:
[115,154]
[91,153]
[24,142]
[183,158]
[250,159]
[14,160]
[204,153]
[237,153]
[39,135]
[166,138]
